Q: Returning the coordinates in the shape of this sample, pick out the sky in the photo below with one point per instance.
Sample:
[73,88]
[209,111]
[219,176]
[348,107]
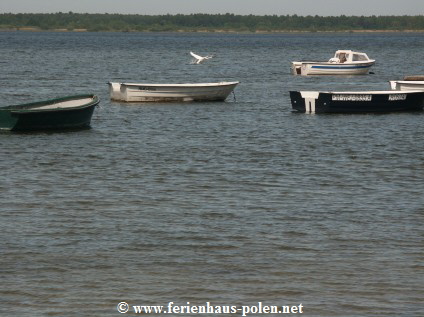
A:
[243,7]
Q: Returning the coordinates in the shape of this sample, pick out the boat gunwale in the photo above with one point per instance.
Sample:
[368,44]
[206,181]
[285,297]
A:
[371,61]
[409,82]
[32,106]
[184,85]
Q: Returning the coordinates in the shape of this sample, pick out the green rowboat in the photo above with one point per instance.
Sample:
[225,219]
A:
[69,112]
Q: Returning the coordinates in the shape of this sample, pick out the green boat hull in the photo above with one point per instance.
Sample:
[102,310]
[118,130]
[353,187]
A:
[33,116]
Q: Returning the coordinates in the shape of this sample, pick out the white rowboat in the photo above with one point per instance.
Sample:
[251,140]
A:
[133,92]
[408,83]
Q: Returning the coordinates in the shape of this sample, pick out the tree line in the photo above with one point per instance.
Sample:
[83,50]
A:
[207,22]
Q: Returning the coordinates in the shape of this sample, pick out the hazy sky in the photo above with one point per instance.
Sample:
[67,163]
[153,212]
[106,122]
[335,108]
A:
[258,7]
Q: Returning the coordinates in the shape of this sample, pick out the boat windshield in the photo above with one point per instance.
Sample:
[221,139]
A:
[359,57]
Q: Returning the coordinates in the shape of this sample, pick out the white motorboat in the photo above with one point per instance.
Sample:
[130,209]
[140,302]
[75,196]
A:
[408,83]
[344,62]
[139,92]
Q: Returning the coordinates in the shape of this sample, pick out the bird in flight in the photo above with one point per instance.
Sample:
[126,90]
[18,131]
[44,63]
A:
[200,59]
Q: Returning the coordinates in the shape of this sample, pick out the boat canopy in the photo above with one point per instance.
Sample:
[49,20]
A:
[348,56]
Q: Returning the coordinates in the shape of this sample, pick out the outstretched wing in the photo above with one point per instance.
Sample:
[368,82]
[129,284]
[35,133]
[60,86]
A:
[196,56]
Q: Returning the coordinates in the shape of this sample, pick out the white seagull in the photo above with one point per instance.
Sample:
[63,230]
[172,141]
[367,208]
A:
[200,59]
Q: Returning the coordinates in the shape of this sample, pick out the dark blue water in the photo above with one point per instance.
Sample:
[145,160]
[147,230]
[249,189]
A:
[230,203]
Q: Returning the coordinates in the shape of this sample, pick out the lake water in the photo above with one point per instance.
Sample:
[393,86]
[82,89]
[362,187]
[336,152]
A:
[231,203]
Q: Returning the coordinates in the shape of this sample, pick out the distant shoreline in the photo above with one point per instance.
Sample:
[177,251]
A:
[209,23]
[218,31]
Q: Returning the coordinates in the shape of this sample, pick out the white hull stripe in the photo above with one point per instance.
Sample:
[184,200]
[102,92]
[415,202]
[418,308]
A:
[310,98]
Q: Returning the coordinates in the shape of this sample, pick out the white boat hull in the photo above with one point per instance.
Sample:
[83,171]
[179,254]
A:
[407,85]
[131,92]
[327,68]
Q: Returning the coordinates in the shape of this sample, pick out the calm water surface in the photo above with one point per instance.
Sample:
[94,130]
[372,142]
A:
[231,203]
